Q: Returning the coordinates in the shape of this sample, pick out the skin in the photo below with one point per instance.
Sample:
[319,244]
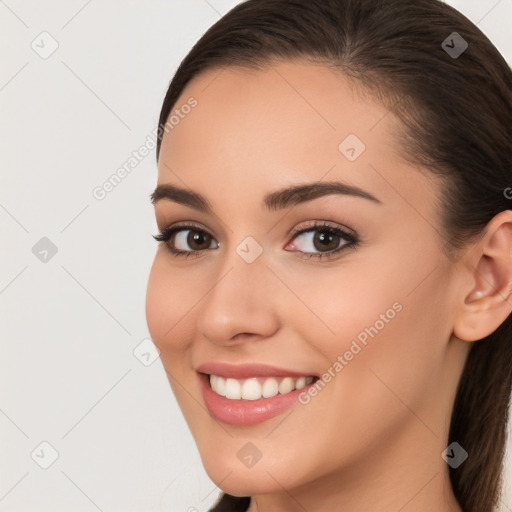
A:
[372,438]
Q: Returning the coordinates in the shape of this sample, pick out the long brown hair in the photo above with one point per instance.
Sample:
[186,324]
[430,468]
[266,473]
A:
[456,112]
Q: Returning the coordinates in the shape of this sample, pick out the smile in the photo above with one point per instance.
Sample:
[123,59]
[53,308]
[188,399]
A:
[255,388]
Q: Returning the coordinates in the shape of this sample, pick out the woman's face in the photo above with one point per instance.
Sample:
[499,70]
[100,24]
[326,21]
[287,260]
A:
[369,313]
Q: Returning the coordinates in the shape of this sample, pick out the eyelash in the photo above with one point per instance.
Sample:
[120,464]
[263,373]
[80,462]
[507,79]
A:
[351,239]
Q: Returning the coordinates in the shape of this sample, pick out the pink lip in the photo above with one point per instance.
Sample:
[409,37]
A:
[246,371]
[246,412]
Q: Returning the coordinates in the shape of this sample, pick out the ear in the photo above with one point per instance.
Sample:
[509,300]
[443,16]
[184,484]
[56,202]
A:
[486,300]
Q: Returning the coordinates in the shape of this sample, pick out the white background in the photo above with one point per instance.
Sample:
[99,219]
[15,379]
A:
[68,327]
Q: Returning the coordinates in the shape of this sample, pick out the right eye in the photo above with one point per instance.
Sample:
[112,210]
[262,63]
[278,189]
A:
[185,240]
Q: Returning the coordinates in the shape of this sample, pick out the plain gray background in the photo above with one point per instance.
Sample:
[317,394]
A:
[78,372]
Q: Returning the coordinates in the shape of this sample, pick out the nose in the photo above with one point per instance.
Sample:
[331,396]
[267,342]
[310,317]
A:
[241,304]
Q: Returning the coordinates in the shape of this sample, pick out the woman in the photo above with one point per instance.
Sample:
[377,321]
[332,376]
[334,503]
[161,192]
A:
[331,292]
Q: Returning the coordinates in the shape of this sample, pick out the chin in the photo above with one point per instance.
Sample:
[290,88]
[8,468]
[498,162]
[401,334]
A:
[265,476]
[245,483]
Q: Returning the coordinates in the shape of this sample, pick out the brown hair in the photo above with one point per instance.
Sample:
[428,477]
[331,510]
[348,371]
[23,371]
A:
[456,112]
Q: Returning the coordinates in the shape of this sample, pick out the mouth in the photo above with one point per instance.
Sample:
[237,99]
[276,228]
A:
[245,397]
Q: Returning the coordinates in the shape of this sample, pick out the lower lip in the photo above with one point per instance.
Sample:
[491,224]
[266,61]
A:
[246,412]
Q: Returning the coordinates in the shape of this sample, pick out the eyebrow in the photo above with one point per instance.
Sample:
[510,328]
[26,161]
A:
[274,201]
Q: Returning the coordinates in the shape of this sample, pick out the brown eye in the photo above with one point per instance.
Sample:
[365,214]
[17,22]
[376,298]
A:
[322,240]
[326,241]
[195,240]
[186,240]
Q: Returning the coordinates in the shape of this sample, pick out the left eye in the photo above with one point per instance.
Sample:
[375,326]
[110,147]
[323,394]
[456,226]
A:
[322,240]
[197,240]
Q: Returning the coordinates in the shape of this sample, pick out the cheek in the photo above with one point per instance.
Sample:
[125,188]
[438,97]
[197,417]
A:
[383,318]
[170,297]
[337,306]
[393,295]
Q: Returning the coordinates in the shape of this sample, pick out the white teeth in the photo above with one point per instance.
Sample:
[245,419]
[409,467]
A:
[220,384]
[252,389]
[270,388]
[233,389]
[287,385]
[301,382]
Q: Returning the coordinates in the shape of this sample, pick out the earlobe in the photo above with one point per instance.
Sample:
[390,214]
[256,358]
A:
[488,303]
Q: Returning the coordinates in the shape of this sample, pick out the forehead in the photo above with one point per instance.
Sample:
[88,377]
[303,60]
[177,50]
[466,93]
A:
[310,101]
[287,122]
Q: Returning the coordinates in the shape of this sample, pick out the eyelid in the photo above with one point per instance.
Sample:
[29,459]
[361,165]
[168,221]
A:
[185,224]
[323,224]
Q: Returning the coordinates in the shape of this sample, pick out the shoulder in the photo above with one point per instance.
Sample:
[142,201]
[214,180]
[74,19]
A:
[228,503]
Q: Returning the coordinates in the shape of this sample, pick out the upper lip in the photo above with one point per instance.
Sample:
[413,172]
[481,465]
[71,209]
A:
[247,370]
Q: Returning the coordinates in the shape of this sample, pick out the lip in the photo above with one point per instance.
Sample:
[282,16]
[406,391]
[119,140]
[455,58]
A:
[248,370]
[246,412]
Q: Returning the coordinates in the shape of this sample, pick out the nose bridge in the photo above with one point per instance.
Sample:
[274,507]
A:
[244,267]
[241,298]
